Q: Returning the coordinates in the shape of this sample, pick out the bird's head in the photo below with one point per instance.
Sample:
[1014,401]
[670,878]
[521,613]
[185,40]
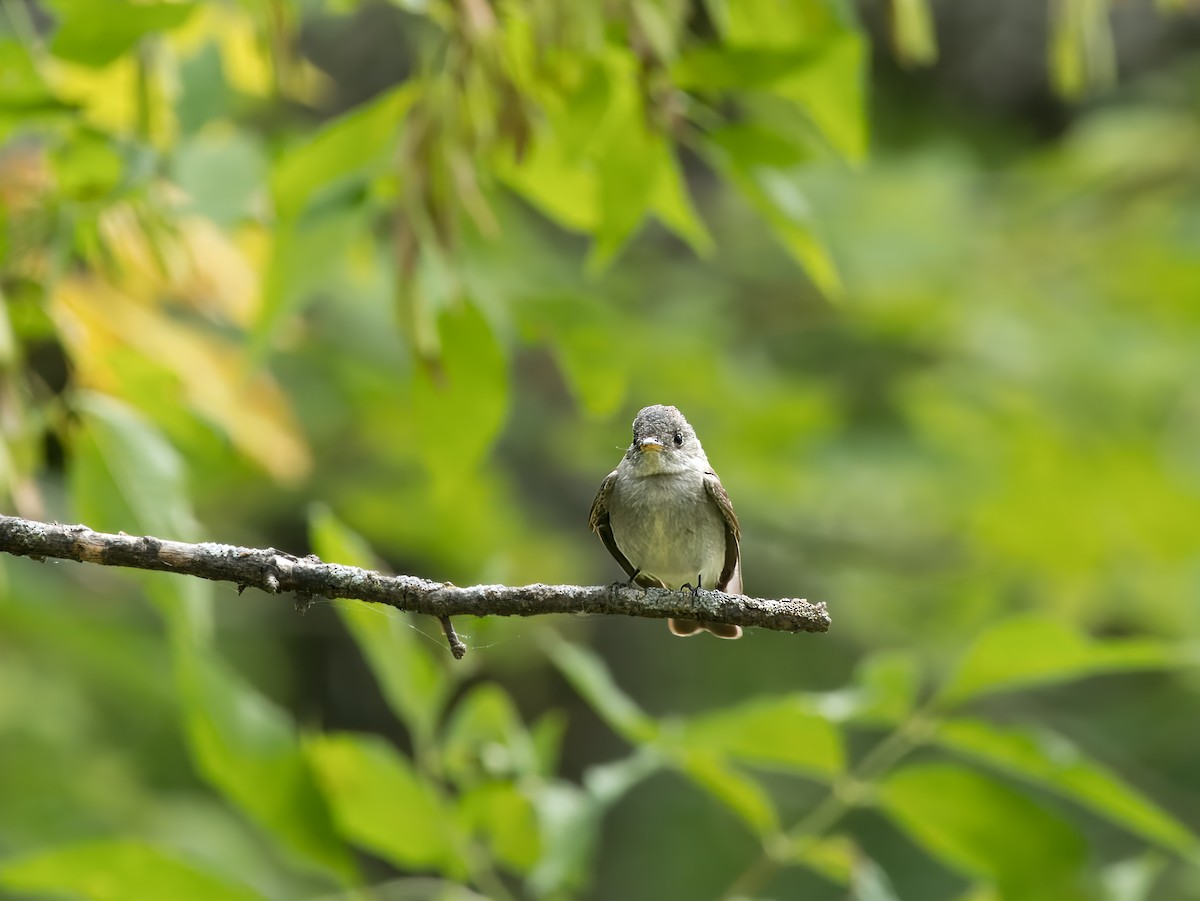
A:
[664,442]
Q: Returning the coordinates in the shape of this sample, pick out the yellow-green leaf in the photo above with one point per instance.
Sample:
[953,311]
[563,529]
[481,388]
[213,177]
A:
[1035,650]
[118,871]
[380,803]
[780,733]
[1050,761]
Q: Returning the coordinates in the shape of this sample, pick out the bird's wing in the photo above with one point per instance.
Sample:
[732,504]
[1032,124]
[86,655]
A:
[731,573]
[599,521]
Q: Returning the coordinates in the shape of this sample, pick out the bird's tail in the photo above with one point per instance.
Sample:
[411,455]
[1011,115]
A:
[686,627]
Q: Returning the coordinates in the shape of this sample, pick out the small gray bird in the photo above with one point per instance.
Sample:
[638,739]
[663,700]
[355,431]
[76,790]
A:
[665,517]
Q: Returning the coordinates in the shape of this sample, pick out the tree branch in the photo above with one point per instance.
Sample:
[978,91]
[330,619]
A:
[275,571]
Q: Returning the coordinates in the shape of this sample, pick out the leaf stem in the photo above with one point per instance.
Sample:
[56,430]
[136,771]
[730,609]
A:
[846,793]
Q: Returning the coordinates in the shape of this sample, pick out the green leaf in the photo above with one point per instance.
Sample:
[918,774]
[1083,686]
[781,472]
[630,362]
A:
[87,167]
[578,331]
[222,173]
[551,179]
[725,68]
[884,691]
[832,93]
[568,820]
[117,871]
[335,542]
[780,733]
[22,87]
[889,681]
[247,748]
[95,34]
[414,683]
[305,257]
[810,53]
[913,34]
[671,202]
[1035,650]
[739,793]
[1133,879]
[485,738]
[832,856]
[598,167]
[629,173]
[460,401]
[508,822]
[1082,50]
[589,676]
[547,737]
[778,198]
[869,882]
[125,476]
[781,23]
[985,829]
[382,805]
[760,144]
[1049,760]
[353,147]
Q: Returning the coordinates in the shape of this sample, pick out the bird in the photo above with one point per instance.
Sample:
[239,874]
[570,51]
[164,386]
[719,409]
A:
[667,519]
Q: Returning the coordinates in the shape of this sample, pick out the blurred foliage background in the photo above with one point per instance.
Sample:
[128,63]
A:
[387,282]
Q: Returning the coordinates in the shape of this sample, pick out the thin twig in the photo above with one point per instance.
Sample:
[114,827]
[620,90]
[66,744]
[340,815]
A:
[275,571]
[457,648]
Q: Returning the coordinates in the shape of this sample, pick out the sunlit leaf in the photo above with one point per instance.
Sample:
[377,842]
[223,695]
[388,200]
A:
[1033,650]
[808,53]
[779,733]
[96,40]
[117,871]
[629,171]
[742,68]
[985,829]
[209,369]
[1052,762]
[913,35]
[380,803]
[22,88]
[87,167]
[353,146]
[551,179]
[1082,51]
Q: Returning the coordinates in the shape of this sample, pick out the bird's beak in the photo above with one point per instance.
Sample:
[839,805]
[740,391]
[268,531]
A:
[650,444]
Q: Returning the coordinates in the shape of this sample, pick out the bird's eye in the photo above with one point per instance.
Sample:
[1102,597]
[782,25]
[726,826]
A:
[679,439]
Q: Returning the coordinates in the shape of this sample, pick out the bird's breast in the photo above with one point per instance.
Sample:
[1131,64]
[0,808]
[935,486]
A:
[669,528]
